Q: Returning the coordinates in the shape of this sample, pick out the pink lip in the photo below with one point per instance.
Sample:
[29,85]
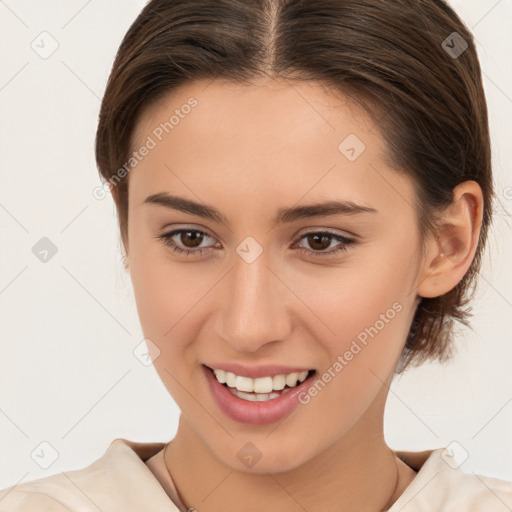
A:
[255,413]
[257,371]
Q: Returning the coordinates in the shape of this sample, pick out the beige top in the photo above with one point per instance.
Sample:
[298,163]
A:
[127,478]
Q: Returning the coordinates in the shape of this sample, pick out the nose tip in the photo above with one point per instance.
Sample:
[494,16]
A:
[256,309]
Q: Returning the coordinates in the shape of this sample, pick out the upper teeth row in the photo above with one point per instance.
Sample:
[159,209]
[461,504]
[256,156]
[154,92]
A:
[261,384]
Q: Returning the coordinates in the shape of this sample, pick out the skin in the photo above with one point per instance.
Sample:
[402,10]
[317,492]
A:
[248,151]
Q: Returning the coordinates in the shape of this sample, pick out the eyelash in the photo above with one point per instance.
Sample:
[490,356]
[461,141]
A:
[345,242]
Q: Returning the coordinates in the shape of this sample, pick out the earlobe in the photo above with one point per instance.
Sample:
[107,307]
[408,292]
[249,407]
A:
[450,253]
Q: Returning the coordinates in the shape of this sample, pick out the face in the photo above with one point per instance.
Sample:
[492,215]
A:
[332,292]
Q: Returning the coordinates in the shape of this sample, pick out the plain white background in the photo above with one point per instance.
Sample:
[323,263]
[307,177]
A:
[69,326]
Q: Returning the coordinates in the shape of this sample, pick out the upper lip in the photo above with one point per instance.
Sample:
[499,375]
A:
[257,371]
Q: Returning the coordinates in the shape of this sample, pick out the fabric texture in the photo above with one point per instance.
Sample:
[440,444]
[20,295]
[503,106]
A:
[119,481]
[127,478]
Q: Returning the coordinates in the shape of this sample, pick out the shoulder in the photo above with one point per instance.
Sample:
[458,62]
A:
[54,493]
[476,493]
[117,481]
[440,484]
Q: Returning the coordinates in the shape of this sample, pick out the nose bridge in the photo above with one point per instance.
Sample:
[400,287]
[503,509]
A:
[255,313]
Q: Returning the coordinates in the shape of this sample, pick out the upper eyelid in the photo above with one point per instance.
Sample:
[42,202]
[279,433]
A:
[333,231]
[328,231]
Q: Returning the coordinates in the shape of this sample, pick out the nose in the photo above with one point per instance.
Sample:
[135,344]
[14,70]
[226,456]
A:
[256,305]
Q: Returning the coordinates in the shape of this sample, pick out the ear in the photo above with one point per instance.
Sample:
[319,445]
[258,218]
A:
[449,254]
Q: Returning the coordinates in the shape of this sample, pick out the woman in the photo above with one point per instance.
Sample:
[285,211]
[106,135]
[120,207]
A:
[304,194]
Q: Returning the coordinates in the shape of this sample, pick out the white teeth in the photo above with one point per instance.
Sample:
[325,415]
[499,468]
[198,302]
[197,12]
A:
[291,380]
[243,384]
[260,385]
[221,375]
[279,382]
[254,397]
[303,375]
[230,379]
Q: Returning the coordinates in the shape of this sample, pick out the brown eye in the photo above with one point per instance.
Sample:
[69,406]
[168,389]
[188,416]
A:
[191,239]
[319,241]
[185,241]
[322,240]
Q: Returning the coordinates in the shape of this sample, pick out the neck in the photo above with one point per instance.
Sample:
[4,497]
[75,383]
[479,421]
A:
[358,472]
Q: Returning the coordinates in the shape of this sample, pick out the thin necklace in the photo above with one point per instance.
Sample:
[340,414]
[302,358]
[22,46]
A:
[397,480]
[170,476]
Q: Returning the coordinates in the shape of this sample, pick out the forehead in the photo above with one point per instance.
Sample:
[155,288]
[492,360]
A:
[260,110]
[276,140]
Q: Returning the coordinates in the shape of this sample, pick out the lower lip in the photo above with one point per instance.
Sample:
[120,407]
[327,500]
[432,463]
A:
[255,413]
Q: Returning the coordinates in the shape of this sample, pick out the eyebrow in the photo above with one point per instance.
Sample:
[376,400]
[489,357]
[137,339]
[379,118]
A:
[284,215]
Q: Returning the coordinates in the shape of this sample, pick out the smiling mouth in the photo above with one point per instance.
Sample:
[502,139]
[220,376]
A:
[260,389]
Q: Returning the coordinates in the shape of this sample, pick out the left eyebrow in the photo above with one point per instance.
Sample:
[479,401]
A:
[321,210]
[284,215]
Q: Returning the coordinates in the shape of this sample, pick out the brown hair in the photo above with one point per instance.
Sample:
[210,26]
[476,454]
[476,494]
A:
[399,59]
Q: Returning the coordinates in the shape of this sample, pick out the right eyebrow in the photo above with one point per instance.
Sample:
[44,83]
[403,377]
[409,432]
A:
[186,206]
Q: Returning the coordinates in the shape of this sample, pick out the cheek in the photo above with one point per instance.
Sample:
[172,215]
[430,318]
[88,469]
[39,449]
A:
[361,356]
[364,308]
[364,298]
[168,297]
